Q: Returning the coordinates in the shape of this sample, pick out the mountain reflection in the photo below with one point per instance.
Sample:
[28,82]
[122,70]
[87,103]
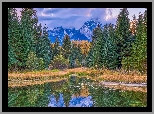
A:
[74,102]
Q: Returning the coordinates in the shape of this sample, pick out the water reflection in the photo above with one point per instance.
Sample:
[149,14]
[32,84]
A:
[72,94]
[74,102]
[76,93]
[54,103]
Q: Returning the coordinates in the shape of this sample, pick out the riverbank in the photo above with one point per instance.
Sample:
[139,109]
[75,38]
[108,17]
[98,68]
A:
[99,76]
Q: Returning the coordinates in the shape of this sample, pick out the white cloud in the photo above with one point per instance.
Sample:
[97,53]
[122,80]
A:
[111,13]
[76,17]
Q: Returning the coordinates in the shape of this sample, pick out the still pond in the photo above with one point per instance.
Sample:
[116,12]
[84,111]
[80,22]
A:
[80,92]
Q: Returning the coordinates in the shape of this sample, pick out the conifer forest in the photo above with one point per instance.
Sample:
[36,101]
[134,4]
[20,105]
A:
[110,70]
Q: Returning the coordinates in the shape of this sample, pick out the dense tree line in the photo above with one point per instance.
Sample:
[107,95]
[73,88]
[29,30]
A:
[119,46]
[27,41]
[112,47]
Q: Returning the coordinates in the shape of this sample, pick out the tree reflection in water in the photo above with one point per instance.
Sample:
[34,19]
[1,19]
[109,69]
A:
[74,102]
[80,98]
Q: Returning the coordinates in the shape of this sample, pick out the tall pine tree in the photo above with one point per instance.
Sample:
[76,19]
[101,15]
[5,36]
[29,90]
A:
[109,50]
[75,55]
[11,57]
[133,25]
[96,34]
[27,36]
[123,34]
[139,49]
[56,48]
[66,46]
[44,48]
[93,58]
[13,38]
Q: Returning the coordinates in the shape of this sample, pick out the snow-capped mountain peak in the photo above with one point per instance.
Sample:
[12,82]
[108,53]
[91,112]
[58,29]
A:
[84,33]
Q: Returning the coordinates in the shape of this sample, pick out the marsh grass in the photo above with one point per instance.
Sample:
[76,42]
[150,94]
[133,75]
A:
[55,70]
[43,76]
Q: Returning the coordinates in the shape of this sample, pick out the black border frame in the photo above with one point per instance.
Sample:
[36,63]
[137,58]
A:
[5,6]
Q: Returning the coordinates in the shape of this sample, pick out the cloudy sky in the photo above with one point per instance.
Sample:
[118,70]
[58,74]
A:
[75,17]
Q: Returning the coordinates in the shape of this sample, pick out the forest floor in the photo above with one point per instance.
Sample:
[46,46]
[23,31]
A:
[112,79]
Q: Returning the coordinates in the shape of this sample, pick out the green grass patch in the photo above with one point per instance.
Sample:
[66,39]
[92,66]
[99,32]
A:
[82,73]
[55,70]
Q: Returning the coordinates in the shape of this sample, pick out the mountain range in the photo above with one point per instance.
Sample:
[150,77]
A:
[84,33]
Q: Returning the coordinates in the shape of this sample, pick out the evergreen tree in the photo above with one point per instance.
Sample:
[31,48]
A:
[94,58]
[138,58]
[25,40]
[35,32]
[123,35]
[72,56]
[110,50]
[44,48]
[79,55]
[29,22]
[13,37]
[11,57]
[31,62]
[34,63]
[89,60]
[100,48]
[38,39]
[96,34]
[133,25]
[75,55]
[52,50]
[56,48]
[104,50]
[66,46]
[59,62]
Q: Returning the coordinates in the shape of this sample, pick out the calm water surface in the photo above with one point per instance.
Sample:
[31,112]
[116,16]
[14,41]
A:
[78,92]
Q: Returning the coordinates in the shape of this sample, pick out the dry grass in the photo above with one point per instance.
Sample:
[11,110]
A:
[109,75]
[41,74]
[26,83]
[31,75]
[97,75]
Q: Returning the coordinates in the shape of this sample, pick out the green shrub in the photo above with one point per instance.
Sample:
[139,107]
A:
[82,73]
[55,70]
[34,63]
[59,62]
[41,65]
[77,63]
